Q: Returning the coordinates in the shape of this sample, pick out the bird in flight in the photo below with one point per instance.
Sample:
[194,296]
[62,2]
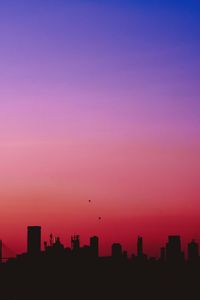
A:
[99,218]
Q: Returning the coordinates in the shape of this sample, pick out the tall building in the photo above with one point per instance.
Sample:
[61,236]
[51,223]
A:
[193,251]
[94,246]
[140,247]
[173,249]
[34,240]
[1,251]
[75,242]
[116,250]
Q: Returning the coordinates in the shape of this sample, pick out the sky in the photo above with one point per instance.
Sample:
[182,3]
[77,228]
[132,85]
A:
[100,100]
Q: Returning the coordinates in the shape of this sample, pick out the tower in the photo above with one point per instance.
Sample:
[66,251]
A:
[116,250]
[173,249]
[193,251]
[1,251]
[140,246]
[34,240]
[75,242]
[94,246]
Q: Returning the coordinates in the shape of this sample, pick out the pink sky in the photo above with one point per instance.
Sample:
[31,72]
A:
[99,102]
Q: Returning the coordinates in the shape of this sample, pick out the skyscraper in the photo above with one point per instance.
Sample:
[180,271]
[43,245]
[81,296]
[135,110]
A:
[94,246]
[34,240]
[75,243]
[173,249]
[1,251]
[193,251]
[140,247]
[116,250]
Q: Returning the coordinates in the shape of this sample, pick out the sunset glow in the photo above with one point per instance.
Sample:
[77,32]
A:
[100,101]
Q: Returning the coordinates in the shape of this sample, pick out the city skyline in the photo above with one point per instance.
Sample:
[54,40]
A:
[36,244]
[100,100]
[80,272]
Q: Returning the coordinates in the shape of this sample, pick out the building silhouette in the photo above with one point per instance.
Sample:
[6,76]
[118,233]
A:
[78,272]
[116,250]
[171,253]
[140,247]
[58,245]
[33,240]
[173,249]
[1,251]
[75,243]
[193,251]
[94,246]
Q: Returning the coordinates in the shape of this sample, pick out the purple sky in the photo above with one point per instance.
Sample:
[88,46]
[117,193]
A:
[99,99]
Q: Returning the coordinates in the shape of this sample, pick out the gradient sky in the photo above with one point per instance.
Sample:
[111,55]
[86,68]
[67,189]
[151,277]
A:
[100,100]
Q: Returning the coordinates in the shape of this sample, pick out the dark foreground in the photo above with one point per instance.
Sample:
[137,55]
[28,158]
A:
[98,279]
